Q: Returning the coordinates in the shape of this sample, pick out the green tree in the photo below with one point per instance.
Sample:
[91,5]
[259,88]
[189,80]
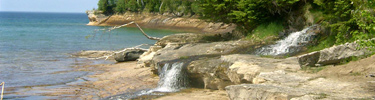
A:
[152,5]
[106,6]
[120,6]
[102,5]
[248,13]
[132,5]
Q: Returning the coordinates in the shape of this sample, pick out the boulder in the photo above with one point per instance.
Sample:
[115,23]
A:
[209,73]
[145,59]
[338,53]
[309,59]
[332,55]
[128,55]
[241,72]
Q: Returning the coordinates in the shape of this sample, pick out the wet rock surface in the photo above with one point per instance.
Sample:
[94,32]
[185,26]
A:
[92,54]
[262,92]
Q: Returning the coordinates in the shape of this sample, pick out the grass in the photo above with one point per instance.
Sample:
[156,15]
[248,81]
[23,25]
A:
[184,57]
[321,96]
[352,58]
[355,74]
[264,31]
[325,42]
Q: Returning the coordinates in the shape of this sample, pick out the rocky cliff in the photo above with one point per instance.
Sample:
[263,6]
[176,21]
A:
[166,21]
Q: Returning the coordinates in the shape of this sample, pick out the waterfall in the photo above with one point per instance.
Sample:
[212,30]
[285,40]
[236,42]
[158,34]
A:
[290,44]
[172,78]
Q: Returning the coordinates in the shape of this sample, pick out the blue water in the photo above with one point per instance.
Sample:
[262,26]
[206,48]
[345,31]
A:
[35,47]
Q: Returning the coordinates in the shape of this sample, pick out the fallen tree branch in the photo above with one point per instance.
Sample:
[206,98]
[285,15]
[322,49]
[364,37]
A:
[149,37]
[116,27]
[2,90]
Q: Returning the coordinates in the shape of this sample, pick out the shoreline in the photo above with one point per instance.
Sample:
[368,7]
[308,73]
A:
[126,77]
[157,21]
[113,79]
[105,80]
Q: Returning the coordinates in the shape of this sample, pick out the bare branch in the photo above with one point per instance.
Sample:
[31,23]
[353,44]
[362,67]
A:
[116,27]
[149,37]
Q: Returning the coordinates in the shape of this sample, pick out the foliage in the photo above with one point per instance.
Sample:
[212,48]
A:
[321,96]
[120,6]
[248,13]
[324,42]
[106,6]
[356,74]
[368,44]
[264,31]
[161,6]
[346,20]
[349,20]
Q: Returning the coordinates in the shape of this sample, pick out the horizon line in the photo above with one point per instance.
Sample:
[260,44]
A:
[42,12]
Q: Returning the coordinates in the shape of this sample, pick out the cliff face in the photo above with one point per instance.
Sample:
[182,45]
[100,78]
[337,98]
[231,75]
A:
[150,20]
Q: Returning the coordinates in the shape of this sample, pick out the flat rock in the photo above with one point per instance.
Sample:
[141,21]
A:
[267,64]
[282,78]
[218,72]
[262,92]
[92,54]
[175,51]
[181,38]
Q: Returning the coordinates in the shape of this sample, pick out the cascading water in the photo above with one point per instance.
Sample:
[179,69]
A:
[172,78]
[290,44]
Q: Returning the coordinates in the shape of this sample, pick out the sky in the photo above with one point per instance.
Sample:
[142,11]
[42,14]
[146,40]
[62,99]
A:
[74,6]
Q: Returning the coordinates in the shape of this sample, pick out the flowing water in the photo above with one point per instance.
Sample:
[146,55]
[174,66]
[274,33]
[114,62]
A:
[173,78]
[35,47]
[290,44]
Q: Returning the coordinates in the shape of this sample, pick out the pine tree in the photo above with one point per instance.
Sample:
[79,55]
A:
[103,5]
[121,6]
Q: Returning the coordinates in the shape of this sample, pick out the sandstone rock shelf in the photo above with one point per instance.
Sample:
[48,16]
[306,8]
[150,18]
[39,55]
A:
[152,20]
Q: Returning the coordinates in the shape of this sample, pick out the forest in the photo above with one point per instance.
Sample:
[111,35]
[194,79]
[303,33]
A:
[345,20]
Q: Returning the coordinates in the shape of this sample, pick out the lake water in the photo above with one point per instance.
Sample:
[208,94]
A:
[35,47]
